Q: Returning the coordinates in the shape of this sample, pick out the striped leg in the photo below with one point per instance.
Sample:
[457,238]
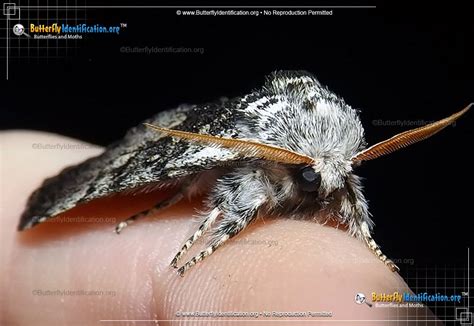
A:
[203,254]
[160,206]
[238,196]
[226,230]
[376,249]
[213,215]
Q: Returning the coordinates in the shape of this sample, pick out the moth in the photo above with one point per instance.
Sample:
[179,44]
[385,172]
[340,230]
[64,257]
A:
[289,148]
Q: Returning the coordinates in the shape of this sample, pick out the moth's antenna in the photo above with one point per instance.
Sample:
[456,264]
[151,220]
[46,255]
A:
[245,147]
[407,138]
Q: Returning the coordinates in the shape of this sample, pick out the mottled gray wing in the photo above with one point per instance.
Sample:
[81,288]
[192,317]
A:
[142,158]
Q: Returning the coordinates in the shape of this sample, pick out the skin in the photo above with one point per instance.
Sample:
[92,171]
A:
[274,265]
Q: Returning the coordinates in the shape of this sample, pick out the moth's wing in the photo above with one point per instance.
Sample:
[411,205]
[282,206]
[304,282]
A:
[143,158]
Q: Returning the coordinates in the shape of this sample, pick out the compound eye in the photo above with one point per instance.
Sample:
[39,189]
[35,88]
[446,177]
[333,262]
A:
[309,180]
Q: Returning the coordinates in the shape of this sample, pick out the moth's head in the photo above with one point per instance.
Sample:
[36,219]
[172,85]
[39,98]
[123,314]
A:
[323,176]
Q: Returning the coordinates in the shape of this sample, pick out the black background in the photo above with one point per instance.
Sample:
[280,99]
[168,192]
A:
[392,63]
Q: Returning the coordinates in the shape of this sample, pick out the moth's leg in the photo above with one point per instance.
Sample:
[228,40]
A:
[355,211]
[239,200]
[208,220]
[225,231]
[161,205]
[375,247]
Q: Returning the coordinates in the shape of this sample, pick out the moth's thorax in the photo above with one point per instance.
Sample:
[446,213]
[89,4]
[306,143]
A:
[297,113]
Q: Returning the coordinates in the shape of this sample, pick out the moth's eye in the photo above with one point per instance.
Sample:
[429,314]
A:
[308,179]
